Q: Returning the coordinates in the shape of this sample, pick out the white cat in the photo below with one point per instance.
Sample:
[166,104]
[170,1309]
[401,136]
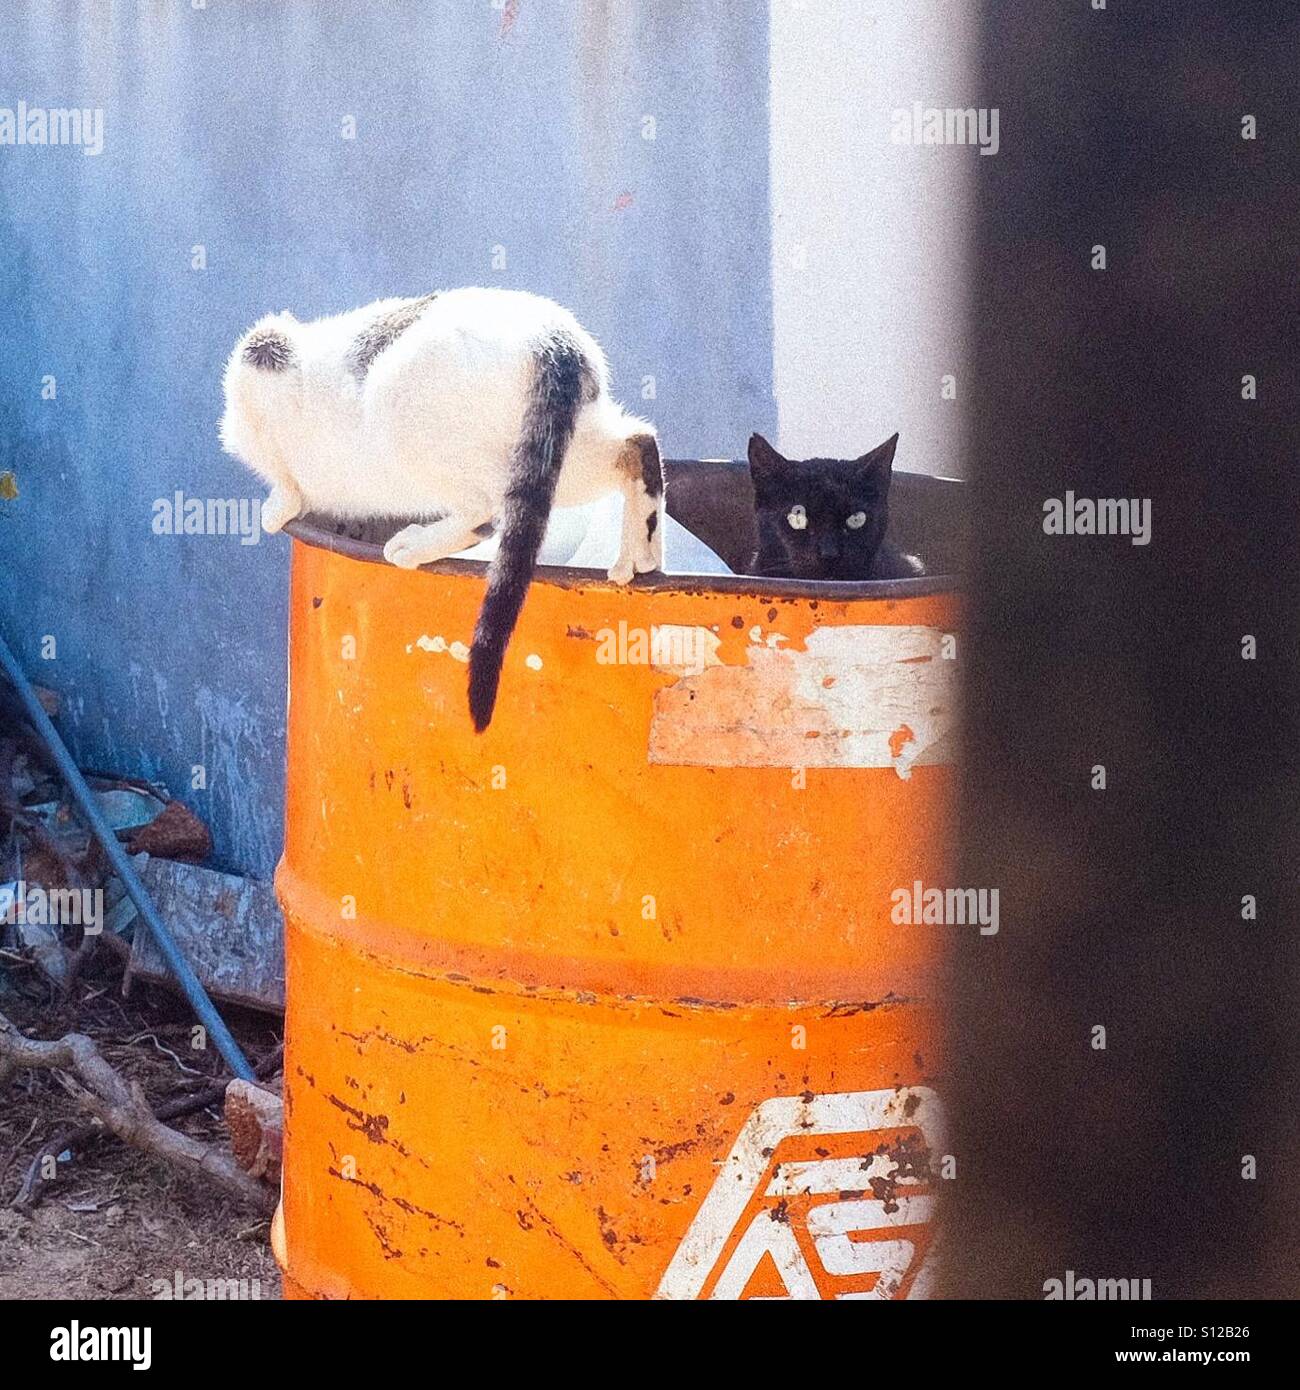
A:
[468,407]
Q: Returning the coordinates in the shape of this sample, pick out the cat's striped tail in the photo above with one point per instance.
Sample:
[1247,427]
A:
[563,379]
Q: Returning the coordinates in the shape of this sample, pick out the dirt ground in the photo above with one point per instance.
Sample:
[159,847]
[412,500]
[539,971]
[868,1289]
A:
[115,1223]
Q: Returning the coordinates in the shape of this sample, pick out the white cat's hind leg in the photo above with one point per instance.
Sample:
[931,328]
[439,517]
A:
[624,567]
[642,540]
[425,542]
[641,543]
[649,531]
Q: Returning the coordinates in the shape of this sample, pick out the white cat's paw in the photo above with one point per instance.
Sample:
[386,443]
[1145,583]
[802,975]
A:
[648,561]
[280,508]
[623,571]
[408,549]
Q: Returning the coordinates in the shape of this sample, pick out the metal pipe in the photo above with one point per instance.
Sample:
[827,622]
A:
[123,868]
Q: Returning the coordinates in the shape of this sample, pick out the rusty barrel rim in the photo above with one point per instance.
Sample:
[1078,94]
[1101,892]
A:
[317,531]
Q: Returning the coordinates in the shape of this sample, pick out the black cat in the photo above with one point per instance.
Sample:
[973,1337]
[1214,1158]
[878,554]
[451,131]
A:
[825,518]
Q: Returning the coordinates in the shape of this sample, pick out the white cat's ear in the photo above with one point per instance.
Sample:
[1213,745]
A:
[880,461]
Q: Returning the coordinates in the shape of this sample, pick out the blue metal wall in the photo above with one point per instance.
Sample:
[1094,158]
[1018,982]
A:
[484,133]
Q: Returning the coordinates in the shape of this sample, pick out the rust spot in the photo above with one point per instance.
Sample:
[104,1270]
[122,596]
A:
[415,1210]
[379,1035]
[847,1009]
[901,736]
[911,1161]
[886,1191]
[316,602]
[376,1191]
[771,615]
[581,633]
[557,1235]
[665,1153]
[372,1126]
[391,1252]
[668,932]
[615,1243]
[727,1099]
[738,621]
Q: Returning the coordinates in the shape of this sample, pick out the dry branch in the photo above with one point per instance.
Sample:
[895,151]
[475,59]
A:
[83,1136]
[123,1108]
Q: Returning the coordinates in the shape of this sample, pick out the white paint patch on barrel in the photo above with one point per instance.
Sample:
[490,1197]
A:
[458,651]
[856,696]
[682,649]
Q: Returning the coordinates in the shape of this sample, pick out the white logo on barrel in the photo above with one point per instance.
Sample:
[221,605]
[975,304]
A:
[826,1196]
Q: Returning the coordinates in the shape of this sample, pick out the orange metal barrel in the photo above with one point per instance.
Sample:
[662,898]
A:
[610,1001]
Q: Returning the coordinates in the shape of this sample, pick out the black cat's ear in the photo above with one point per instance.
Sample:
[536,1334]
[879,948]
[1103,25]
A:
[762,455]
[764,464]
[878,465]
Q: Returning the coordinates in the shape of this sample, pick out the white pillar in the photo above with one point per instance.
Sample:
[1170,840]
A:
[870,238]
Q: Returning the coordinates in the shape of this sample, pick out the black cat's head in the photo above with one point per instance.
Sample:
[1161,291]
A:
[820,518]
